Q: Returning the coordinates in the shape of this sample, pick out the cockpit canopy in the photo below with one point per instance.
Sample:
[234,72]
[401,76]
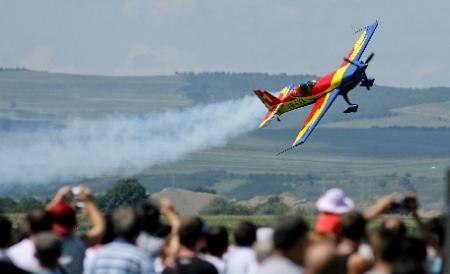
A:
[306,87]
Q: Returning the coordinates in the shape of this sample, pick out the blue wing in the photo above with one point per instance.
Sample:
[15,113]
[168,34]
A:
[317,112]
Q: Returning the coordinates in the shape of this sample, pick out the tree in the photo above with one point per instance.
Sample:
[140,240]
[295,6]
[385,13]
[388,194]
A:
[124,192]
[273,206]
[222,206]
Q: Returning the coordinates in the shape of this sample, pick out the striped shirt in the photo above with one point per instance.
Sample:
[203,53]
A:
[121,257]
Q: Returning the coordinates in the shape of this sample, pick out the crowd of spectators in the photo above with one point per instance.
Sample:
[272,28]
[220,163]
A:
[136,239]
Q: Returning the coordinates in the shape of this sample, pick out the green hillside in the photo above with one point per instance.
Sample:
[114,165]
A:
[399,140]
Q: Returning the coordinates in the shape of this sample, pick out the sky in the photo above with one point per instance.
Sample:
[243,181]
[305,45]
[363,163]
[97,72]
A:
[159,37]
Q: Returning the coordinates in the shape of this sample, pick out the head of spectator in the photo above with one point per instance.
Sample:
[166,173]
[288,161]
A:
[64,217]
[321,258]
[245,234]
[192,231]
[386,248]
[38,220]
[395,225]
[5,232]
[48,249]
[436,226]
[413,247]
[408,266]
[126,223]
[331,206]
[353,226]
[150,216]
[264,243]
[290,238]
[217,241]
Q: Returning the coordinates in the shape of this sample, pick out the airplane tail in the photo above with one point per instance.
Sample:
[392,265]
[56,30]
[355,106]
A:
[271,102]
[267,99]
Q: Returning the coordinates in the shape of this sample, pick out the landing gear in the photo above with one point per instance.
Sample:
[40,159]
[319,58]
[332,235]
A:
[352,107]
[278,118]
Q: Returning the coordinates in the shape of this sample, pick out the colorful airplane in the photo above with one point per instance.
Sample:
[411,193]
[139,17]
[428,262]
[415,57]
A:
[323,91]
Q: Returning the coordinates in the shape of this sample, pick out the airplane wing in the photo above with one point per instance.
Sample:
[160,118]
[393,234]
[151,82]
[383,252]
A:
[317,112]
[361,43]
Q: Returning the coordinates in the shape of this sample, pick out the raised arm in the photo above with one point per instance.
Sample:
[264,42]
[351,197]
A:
[95,216]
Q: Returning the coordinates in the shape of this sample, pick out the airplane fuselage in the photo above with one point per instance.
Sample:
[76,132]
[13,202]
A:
[298,97]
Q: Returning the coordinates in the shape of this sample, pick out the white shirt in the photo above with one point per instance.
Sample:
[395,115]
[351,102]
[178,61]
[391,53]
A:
[279,264]
[241,260]
[217,262]
[22,255]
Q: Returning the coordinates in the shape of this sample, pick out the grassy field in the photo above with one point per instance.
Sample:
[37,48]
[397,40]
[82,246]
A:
[364,161]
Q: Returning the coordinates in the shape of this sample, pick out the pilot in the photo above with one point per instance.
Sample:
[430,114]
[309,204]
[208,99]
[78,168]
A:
[307,87]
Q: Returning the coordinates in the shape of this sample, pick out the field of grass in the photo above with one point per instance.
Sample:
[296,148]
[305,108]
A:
[359,159]
[433,115]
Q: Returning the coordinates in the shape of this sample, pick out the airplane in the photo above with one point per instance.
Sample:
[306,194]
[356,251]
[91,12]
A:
[323,91]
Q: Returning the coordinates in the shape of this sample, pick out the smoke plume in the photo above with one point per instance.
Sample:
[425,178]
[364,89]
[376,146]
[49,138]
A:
[122,144]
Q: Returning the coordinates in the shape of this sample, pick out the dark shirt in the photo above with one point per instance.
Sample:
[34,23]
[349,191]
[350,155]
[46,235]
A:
[191,266]
[7,267]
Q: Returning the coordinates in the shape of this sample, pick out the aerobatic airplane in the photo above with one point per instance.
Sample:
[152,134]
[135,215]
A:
[323,91]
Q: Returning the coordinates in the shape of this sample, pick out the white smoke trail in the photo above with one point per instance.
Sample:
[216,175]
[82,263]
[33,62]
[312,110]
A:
[122,144]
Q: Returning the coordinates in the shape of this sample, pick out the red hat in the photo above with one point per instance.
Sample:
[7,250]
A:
[328,223]
[64,218]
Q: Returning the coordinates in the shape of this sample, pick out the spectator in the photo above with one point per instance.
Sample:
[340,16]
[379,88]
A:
[264,243]
[289,246]
[331,206]
[216,246]
[64,223]
[355,254]
[415,248]
[6,265]
[321,258]
[395,225]
[153,232]
[436,228]
[23,253]
[92,251]
[386,247]
[241,259]
[48,251]
[186,260]
[122,256]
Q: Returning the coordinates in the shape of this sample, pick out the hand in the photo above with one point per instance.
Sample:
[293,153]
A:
[62,192]
[166,206]
[412,201]
[85,194]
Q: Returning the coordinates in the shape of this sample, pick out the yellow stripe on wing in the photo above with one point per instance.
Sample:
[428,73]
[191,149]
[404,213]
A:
[358,45]
[316,115]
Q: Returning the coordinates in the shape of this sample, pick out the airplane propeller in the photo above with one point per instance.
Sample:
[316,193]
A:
[366,82]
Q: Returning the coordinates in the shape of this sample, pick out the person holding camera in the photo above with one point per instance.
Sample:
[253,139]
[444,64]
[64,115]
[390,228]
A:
[65,222]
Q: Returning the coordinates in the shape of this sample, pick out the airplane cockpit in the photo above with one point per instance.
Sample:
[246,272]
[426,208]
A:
[306,87]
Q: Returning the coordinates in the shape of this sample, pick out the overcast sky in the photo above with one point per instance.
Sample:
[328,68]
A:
[154,37]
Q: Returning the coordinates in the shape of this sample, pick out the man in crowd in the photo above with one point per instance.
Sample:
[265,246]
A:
[241,259]
[6,265]
[154,232]
[290,238]
[216,246]
[122,256]
[65,221]
[187,261]
[48,251]
[23,253]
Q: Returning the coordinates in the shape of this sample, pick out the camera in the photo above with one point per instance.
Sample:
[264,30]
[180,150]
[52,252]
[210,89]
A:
[404,203]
